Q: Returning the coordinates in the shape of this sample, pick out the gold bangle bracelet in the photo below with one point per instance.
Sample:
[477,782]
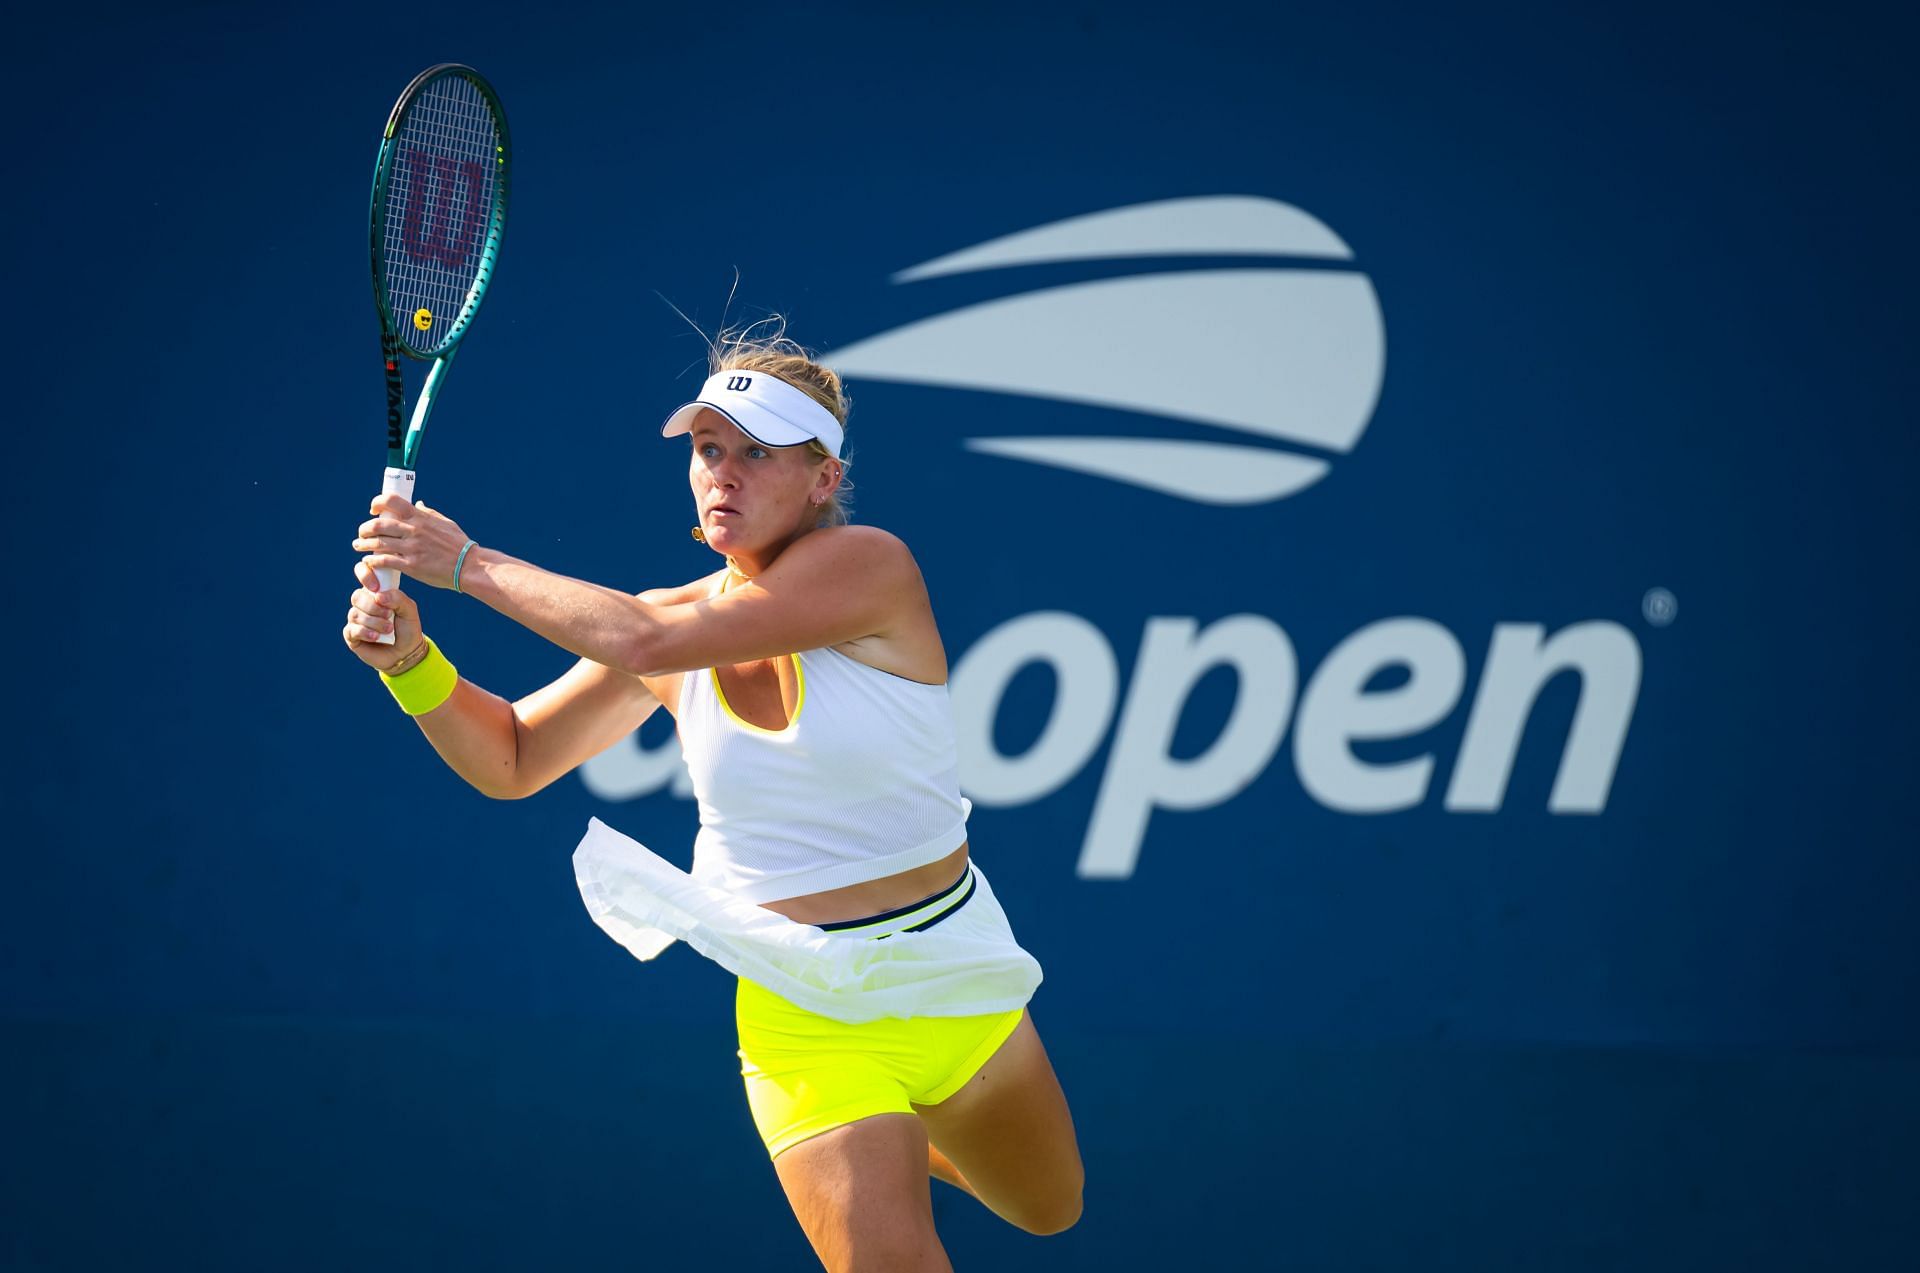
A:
[412,660]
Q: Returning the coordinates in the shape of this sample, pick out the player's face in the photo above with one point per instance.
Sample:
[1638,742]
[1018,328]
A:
[749,495]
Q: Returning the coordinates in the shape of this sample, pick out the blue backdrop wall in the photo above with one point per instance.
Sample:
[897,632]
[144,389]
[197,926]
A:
[1417,503]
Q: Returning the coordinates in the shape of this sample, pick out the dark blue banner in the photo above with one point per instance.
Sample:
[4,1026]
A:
[1416,506]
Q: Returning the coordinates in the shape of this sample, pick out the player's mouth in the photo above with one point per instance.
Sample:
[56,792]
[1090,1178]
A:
[723,510]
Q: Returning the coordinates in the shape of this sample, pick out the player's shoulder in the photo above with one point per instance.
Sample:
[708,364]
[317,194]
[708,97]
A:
[867,546]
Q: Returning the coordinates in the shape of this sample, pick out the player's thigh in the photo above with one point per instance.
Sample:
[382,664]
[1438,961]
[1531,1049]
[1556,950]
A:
[861,1194]
[1009,1132]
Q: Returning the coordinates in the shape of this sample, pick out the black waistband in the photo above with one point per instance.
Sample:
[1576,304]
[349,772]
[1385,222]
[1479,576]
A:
[955,896]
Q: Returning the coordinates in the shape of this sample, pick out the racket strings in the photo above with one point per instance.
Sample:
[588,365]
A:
[439,209]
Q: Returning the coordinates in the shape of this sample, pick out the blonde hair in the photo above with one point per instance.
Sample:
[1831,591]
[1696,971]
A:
[751,349]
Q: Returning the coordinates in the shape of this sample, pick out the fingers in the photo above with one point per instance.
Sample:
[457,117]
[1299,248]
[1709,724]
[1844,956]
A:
[380,532]
[364,571]
[370,616]
[369,608]
[410,539]
[364,629]
[373,613]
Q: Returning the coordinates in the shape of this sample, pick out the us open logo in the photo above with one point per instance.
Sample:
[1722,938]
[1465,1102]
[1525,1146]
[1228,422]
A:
[1292,353]
[1292,356]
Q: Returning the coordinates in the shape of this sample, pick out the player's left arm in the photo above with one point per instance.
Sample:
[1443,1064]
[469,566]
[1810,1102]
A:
[835,585]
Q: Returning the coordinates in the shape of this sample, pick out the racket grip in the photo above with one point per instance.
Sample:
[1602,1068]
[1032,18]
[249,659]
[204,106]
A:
[394,482]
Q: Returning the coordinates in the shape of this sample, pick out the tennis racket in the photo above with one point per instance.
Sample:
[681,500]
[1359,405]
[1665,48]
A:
[438,213]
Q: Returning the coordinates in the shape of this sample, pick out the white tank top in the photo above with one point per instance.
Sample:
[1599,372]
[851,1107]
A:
[863,782]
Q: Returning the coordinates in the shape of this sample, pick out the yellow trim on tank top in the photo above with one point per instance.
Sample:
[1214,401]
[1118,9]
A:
[799,700]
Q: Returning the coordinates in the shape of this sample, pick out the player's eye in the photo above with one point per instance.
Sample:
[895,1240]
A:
[756,453]
[709,450]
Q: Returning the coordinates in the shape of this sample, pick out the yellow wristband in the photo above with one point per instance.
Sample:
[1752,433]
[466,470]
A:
[425,685]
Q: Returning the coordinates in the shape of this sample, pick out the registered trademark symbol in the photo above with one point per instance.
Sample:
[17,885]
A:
[1660,607]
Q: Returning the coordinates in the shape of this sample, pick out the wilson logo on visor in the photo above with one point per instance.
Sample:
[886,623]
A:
[1293,356]
[739,382]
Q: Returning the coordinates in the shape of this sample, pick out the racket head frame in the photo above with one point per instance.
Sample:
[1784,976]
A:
[395,342]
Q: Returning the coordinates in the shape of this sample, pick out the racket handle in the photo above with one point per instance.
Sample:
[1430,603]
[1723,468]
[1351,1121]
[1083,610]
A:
[395,482]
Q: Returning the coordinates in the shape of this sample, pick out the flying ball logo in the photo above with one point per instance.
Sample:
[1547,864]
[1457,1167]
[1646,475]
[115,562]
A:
[1298,353]
[1300,349]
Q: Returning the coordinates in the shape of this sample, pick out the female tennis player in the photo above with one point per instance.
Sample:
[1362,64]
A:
[882,997]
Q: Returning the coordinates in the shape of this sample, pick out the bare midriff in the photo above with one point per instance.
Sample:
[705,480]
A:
[874,897]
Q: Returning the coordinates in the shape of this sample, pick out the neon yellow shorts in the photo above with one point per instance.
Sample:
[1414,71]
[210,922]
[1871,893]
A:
[808,1074]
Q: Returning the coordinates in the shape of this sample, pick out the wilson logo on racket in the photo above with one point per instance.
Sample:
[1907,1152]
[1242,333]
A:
[442,221]
[1292,352]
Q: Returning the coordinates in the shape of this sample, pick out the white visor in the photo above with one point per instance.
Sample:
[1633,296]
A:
[767,409]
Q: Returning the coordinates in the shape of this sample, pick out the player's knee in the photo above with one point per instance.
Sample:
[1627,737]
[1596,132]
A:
[1056,1213]
[1055,1219]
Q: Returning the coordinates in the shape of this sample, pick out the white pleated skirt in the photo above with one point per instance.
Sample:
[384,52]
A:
[966,965]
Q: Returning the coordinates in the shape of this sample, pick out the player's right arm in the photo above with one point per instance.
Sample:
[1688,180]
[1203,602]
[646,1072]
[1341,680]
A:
[506,750]
[510,750]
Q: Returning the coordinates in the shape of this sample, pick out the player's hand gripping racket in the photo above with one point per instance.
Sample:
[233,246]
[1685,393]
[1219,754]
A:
[439,211]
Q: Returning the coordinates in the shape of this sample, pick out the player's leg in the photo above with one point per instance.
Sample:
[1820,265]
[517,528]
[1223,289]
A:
[1008,1135]
[940,1167]
[860,1192]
